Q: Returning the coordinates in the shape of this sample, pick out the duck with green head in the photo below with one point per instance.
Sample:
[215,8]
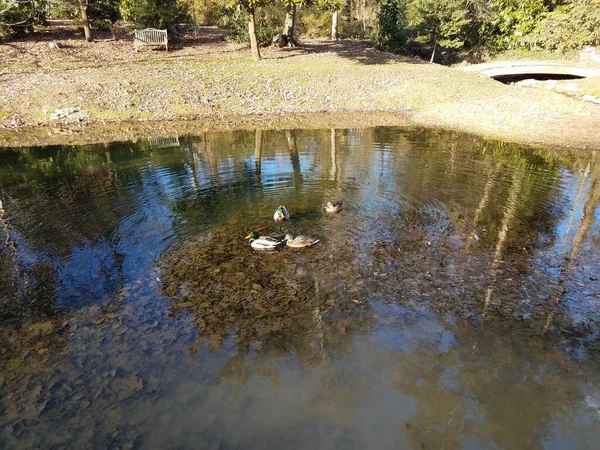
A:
[263,243]
[281,214]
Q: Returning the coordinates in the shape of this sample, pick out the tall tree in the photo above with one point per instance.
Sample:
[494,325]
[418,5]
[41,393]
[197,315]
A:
[391,19]
[443,21]
[333,6]
[250,7]
[289,26]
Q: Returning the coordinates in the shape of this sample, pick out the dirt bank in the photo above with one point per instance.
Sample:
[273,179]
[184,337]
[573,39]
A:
[217,83]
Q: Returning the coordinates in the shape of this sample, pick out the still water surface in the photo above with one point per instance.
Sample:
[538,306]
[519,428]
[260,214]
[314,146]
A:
[453,303]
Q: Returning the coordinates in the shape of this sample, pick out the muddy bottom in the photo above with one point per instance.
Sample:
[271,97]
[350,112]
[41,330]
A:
[452,303]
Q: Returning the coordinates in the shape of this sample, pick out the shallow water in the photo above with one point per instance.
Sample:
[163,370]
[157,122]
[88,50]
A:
[452,303]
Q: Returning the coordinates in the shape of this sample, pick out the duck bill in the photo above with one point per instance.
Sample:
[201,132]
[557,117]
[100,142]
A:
[248,237]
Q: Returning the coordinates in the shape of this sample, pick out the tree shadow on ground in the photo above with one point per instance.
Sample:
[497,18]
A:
[363,52]
[65,30]
[192,42]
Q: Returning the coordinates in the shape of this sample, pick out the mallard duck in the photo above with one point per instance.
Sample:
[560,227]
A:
[281,214]
[263,243]
[334,207]
[299,241]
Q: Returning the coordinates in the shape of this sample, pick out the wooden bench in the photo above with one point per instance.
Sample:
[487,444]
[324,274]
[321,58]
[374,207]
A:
[150,37]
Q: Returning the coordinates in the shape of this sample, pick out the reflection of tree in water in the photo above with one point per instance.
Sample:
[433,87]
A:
[478,386]
[214,172]
[422,249]
[64,207]
[428,254]
[566,280]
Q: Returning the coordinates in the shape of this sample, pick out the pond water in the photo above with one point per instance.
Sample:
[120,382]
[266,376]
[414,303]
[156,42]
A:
[453,303]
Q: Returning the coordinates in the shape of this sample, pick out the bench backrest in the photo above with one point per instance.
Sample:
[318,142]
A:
[151,36]
[164,142]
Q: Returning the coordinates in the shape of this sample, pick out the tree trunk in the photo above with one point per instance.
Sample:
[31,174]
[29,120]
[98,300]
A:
[364,17]
[289,25]
[334,26]
[85,21]
[433,52]
[252,33]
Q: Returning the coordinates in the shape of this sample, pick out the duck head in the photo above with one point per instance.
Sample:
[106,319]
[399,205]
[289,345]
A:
[253,235]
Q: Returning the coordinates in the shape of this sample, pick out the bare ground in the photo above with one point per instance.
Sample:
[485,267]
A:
[217,83]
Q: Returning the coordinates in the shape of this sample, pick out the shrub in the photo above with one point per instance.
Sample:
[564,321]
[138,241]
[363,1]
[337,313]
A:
[313,22]
[126,8]
[162,14]
[206,12]
[269,23]
[101,10]
[569,27]
[16,19]
[392,34]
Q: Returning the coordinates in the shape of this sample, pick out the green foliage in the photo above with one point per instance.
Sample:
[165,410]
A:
[392,34]
[514,19]
[561,25]
[248,5]
[235,21]
[158,14]
[98,11]
[313,22]
[569,27]
[101,10]
[269,20]
[206,12]
[17,17]
[126,8]
[497,25]
[479,29]
[329,5]
[444,22]
[65,10]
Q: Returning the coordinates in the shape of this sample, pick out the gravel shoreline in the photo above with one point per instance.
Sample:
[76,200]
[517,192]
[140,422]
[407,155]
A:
[63,96]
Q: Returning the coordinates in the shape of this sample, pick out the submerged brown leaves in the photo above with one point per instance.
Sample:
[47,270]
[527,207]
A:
[278,299]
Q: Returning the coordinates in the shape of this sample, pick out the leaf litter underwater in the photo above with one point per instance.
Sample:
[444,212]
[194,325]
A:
[452,302]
